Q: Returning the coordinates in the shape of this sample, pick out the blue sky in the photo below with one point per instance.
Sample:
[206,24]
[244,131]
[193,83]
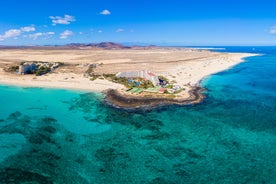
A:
[166,22]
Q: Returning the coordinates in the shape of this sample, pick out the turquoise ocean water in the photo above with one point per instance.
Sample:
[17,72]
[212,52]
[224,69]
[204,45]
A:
[62,136]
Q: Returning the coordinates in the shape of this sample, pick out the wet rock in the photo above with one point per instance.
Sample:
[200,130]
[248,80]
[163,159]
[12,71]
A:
[80,160]
[157,135]
[39,138]
[154,125]
[160,180]
[18,125]
[35,139]
[12,175]
[112,160]
[49,129]
[179,169]
[24,120]
[190,153]
[106,154]
[137,120]
[143,123]
[48,120]
[93,120]
[14,115]
[84,102]
[51,156]
[69,138]
[39,158]
[102,170]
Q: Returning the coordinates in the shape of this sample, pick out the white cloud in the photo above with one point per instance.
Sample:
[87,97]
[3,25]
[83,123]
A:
[105,12]
[65,34]
[10,34]
[28,28]
[50,33]
[36,35]
[273,30]
[120,30]
[67,19]
[13,33]
[100,31]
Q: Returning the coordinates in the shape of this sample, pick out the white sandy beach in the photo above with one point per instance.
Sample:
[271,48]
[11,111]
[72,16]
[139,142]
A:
[182,66]
[58,80]
[193,72]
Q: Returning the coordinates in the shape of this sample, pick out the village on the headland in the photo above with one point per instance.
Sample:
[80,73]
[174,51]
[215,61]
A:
[146,81]
[138,82]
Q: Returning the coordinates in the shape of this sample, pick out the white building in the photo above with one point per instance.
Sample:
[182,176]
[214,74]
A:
[145,74]
[26,68]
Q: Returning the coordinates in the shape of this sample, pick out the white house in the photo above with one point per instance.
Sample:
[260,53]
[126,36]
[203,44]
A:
[145,74]
[26,68]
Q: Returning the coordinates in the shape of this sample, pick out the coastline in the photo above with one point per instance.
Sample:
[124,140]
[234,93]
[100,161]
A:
[194,95]
[59,82]
[188,71]
[119,100]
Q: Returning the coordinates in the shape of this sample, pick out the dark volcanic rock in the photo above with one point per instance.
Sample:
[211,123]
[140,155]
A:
[128,102]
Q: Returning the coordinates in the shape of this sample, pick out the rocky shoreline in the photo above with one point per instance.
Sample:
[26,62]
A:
[129,102]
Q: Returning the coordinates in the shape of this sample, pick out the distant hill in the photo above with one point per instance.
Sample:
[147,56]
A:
[111,45]
[103,45]
[96,46]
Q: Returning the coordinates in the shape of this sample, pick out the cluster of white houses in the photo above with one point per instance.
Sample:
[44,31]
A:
[26,68]
[144,74]
[29,67]
[160,86]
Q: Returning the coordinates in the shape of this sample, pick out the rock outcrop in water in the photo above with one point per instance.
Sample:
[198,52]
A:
[130,102]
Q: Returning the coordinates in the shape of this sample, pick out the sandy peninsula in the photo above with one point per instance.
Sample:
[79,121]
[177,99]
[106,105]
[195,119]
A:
[185,67]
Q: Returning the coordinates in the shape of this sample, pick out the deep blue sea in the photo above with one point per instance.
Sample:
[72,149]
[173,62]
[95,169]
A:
[62,136]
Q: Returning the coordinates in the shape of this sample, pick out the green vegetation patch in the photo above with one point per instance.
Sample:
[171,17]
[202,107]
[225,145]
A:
[12,69]
[153,89]
[42,70]
[122,80]
[135,90]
